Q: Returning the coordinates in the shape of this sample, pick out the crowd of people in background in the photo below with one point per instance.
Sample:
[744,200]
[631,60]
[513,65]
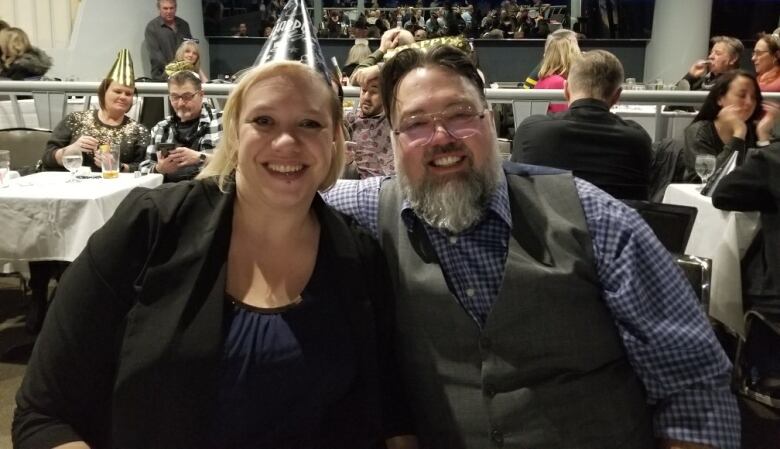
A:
[508,20]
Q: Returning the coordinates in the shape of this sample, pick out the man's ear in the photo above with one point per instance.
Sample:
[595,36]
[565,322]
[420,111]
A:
[615,97]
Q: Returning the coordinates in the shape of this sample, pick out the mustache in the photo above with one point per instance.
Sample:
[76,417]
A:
[443,149]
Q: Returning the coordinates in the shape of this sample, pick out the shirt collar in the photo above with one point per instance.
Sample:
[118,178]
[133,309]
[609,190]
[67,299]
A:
[205,117]
[161,22]
[498,206]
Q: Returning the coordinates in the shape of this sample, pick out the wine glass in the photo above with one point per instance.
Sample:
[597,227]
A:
[704,166]
[72,160]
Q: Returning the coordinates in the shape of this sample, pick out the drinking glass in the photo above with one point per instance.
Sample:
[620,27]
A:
[109,161]
[5,167]
[72,160]
[704,166]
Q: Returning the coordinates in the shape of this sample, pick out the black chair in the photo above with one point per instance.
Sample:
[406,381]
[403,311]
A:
[26,146]
[698,271]
[671,223]
[757,364]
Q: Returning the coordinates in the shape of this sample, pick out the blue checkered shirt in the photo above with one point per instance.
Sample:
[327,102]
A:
[667,338]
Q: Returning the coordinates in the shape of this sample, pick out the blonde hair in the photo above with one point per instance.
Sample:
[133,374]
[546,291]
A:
[357,53]
[182,48]
[559,56]
[13,43]
[225,159]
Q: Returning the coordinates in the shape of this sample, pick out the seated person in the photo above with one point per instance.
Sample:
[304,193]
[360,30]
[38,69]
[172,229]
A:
[189,52]
[731,119]
[755,186]
[369,66]
[560,53]
[18,58]
[86,130]
[194,128]
[597,145]
[372,152]
[724,56]
[766,61]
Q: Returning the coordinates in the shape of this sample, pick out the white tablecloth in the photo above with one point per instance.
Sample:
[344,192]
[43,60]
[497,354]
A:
[723,237]
[45,218]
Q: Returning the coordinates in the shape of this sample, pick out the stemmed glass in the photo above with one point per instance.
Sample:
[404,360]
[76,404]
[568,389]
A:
[705,166]
[72,160]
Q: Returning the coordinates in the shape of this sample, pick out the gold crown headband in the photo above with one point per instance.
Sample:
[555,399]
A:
[455,41]
[179,66]
[122,70]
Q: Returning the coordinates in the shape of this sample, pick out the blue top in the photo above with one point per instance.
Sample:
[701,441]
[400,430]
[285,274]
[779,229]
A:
[669,342]
[282,369]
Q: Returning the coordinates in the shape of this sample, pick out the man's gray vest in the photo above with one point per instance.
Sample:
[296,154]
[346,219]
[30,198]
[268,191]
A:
[549,369]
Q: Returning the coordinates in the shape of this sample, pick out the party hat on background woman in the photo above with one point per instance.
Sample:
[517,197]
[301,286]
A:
[122,70]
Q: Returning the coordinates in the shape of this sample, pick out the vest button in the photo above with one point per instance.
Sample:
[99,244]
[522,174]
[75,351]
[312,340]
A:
[497,437]
[485,343]
[490,390]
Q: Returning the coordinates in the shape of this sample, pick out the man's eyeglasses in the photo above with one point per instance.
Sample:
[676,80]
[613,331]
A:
[185,97]
[759,52]
[460,122]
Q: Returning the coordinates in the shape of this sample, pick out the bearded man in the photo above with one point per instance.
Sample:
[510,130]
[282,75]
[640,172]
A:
[532,310]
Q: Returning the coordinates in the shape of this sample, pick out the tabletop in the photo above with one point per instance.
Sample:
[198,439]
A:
[45,217]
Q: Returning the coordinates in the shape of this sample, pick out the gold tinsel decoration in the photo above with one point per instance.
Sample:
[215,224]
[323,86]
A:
[455,41]
[178,66]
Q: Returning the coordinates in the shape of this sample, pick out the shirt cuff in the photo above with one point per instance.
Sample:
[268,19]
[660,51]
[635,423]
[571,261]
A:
[701,416]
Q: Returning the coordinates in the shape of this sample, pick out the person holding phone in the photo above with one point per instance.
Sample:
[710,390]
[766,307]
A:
[184,141]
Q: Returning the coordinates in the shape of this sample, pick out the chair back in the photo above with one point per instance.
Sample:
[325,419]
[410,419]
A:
[756,373]
[698,271]
[671,223]
[26,146]
[667,167]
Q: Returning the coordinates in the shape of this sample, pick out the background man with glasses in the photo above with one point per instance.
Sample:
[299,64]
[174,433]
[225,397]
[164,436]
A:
[532,310]
[194,128]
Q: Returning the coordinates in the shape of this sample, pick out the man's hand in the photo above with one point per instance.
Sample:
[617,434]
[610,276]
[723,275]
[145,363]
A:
[184,156]
[177,158]
[389,40]
[699,68]
[363,76]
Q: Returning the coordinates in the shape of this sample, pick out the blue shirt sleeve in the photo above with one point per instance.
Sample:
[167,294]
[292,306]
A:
[358,199]
[667,337]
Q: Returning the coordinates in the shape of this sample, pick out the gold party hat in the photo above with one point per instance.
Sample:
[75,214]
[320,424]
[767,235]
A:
[122,70]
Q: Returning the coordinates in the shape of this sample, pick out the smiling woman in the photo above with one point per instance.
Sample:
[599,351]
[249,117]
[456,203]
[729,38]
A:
[236,308]
[84,131]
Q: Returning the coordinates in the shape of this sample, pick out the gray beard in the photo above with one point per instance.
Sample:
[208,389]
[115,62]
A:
[456,204]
